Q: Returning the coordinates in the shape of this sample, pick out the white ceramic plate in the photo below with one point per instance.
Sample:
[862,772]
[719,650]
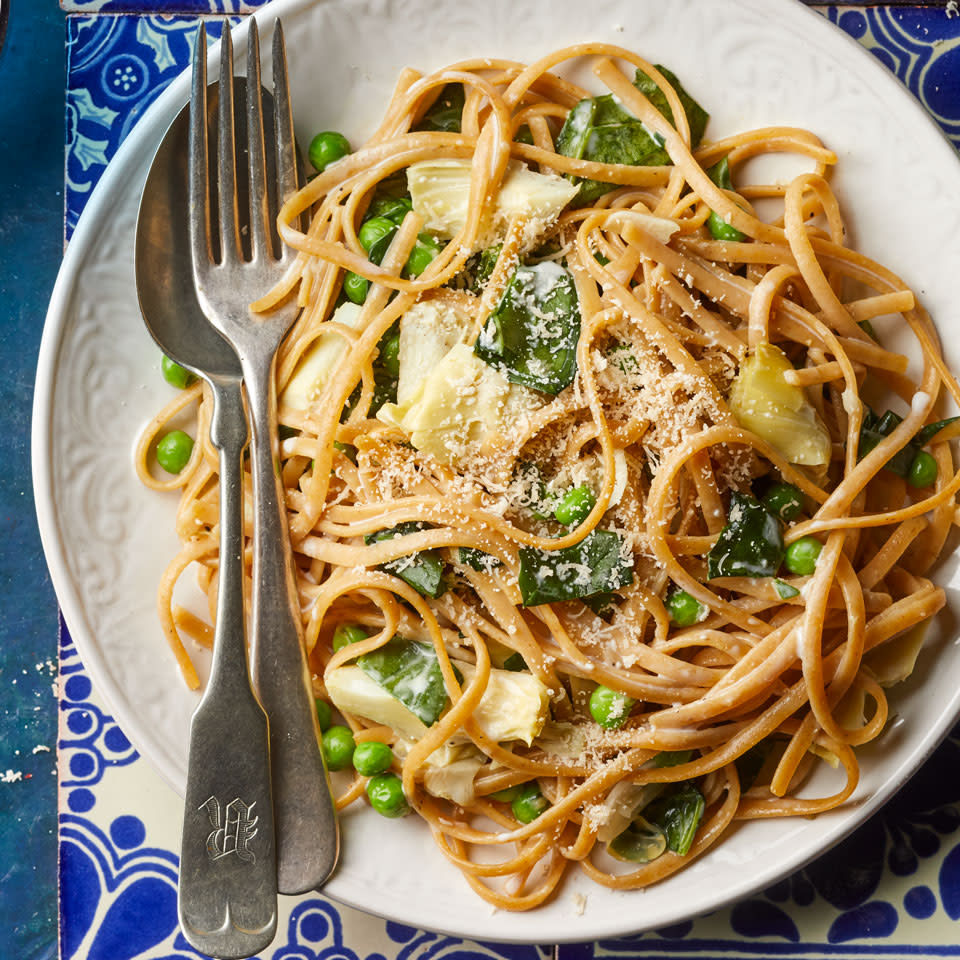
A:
[751,63]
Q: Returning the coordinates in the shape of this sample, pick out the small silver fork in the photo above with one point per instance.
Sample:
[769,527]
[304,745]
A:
[306,824]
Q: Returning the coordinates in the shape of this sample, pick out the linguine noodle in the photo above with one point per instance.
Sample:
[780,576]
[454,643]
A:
[775,674]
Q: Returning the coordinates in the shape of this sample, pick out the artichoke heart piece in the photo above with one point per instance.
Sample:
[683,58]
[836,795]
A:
[776,411]
[323,356]
[514,706]
[440,191]
[464,408]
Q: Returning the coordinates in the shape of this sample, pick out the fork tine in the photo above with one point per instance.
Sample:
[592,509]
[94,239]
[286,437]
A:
[199,187]
[287,177]
[226,157]
[256,159]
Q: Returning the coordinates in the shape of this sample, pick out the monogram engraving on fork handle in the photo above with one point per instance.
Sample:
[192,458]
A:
[234,828]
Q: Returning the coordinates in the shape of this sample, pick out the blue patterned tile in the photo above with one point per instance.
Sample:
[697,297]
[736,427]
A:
[921,45]
[116,67]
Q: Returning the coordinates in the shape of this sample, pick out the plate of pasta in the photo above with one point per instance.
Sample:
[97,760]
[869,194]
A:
[615,434]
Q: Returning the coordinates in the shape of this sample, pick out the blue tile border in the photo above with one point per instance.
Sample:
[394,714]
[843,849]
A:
[182,7]
[116,67]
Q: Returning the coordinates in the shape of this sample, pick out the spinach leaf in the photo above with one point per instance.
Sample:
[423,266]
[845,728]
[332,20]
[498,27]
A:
[531,337]
[874,429]
[515,663]
[597,564]
[523,135]
[486,261]
[678,815]
[697,117]
[719,173]
[604,605]
[750,545]
[422,570]
[784,590]
[750,763]
[927,433]
[478,559]
[530,490]
[599,129]
[672,758]
[409,671]
[446,112]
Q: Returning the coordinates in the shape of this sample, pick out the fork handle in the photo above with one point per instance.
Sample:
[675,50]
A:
[227,894]
[308,839]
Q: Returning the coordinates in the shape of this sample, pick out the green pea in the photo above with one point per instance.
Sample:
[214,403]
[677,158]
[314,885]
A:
[801,556]
[506,795]
[338,747]
[575,506]
[610,708]
[385,793]
[923,470]
[372,757]
[684,609]
[173,451]
[355,287]
[326,148]
[374,230]
[721,230]
[421,256]
[785,501]
[529,803]
[324,715]
[347,633]
[390,355]
[176,375]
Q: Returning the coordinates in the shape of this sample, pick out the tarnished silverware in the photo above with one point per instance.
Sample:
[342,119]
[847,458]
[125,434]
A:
[228,877]
[236,257]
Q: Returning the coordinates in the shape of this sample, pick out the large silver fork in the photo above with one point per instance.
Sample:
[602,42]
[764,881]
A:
[306,825]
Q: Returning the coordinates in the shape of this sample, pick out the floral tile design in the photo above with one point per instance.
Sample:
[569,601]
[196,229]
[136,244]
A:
[116,67]
[891,889]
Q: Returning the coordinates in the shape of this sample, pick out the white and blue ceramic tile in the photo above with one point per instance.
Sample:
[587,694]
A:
[116,67]
[891,889]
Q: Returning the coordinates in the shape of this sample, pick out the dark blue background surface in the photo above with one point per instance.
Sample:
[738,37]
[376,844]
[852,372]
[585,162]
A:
[31,247]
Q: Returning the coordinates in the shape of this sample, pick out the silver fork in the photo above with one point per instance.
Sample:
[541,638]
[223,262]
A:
[306,825]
